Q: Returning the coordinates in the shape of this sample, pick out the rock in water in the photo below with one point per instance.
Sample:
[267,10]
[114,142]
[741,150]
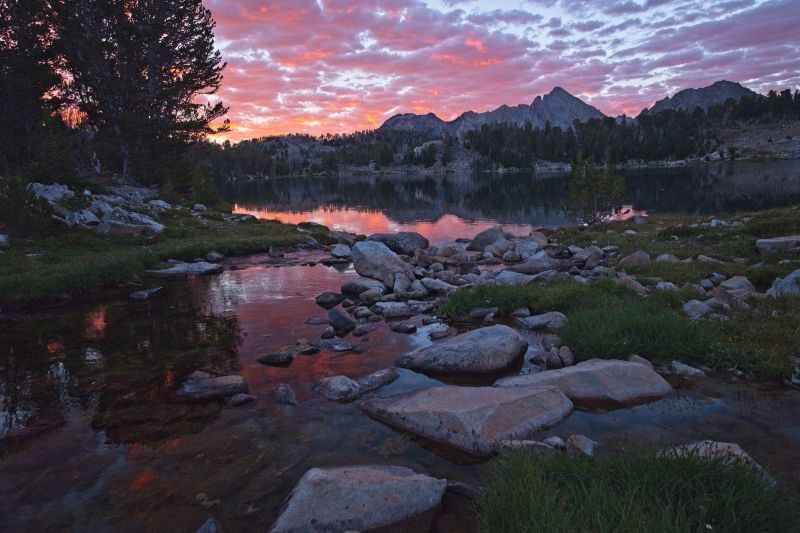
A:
[284,394]
[241,399]
[473,419]
[145,294]
[204,386]
[358,498]
[329,299]
[189,269]
[581,444]
[485,238]
[374,260]
[341,251]
[599,383]
[340,321]
[482,350]
[404,242]
[552,320]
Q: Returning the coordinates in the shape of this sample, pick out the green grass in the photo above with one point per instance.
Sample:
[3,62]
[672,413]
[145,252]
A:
[77,262]
[637,492]
[608,320]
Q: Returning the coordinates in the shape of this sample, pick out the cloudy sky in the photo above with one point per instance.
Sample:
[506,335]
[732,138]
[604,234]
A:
[319,66]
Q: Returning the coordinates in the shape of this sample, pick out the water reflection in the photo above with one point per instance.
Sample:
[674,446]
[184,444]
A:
[450,206]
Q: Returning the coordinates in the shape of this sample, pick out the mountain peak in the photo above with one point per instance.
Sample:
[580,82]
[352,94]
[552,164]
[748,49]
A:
[704,97]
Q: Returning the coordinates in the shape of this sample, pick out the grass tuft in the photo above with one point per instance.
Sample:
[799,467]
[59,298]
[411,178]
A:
[637,492]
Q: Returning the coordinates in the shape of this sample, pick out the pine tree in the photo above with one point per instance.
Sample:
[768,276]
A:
[139,70]
[594,193]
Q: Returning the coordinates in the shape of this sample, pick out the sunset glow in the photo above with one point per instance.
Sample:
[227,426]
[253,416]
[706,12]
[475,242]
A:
[320,66]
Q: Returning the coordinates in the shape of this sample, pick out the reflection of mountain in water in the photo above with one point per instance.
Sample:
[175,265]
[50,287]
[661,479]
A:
[524,199]
[509,199]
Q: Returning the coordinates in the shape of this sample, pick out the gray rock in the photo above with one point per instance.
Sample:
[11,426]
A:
[339,388]
[284,394]
[599,383]
[377,379]
[482,350]
[685,370]
[119,220]
[341,251]
[526,248]
[727,451]
[551,320]
[364,329]
[358,286]
[51,193]
[473,419]
[344,237]
[522,312]
[340,321]
[640,360]
[485,238]
[200,208]
[214,257]
[788,286]
[529,446]
[403,327]
[556,442]
[739,283]
[328,300]
[200,385]
[508,277]
[145,294]
[4,242]
[393,310]
[709,260]
[788,246]
[84,217]
[668,258]
[635,259]
[188,269]
[511,256]
[666,286]
[328,333]
[404,242]
[499,247]
[241,399]
[358,498]
[695,309]
[209,526]
[581,444]
[437,286]
[333,345]
[374,260]
[159,204]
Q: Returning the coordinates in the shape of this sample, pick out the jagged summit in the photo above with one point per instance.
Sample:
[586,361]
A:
[704,97]
[558,107]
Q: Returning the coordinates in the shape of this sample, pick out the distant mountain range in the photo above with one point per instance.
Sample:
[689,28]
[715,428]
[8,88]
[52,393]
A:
[559,108]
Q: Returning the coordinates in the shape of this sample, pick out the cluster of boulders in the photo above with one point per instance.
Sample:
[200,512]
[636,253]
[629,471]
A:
[127,211]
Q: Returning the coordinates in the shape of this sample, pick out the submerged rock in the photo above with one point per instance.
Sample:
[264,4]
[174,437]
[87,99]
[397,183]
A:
[695,309]
[145,294]
[581,444]
[189,269]
[482,350]
[345,389]
[329,299]
[201,385]
[284,394]
[599,383]
[473,419]
[358,498]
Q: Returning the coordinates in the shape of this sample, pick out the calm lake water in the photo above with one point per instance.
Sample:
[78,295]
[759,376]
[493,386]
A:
[93,436]
[461,205]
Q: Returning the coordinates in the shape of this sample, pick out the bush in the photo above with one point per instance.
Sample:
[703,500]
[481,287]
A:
[21,211]
[638,492]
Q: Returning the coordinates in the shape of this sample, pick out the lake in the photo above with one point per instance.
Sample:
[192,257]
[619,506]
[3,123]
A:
[93,436]
[461,205]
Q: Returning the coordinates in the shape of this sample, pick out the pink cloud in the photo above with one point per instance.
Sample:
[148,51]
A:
[344,65]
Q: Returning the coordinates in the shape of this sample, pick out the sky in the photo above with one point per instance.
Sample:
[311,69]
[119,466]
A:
[337,66]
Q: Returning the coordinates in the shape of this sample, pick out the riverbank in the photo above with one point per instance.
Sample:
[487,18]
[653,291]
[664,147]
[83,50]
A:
[109,240]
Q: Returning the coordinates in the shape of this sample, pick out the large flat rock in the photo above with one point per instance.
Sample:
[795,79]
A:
[482,350]
[188,269]
[375,260]
[473,419]
[202,386]
[599,383]
[358,498]
[404,242]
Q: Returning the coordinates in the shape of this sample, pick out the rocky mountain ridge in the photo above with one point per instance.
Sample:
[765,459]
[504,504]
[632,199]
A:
[559,108]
